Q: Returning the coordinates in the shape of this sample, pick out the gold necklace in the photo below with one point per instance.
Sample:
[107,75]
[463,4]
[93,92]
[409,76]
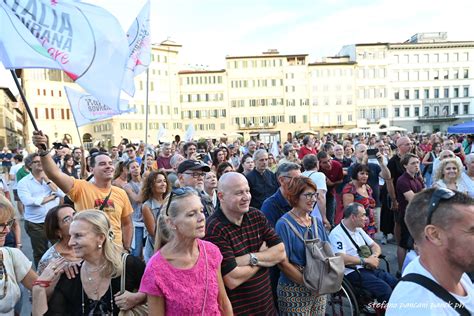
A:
[301,219]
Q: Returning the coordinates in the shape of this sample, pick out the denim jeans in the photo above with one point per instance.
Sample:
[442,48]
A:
[39,241]
[378,282]
[138,246]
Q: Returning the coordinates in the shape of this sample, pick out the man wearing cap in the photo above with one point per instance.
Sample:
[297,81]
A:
[191,173]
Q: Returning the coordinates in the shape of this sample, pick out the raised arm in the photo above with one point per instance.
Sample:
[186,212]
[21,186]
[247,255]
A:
[63,181]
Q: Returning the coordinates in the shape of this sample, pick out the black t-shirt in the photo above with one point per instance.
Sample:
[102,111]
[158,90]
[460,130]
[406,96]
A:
[68,294]
[396,168]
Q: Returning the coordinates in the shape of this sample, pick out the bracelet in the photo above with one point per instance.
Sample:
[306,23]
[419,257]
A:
[42,283]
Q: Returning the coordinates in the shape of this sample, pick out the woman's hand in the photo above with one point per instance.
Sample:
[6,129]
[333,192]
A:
[54,270]
[128,300]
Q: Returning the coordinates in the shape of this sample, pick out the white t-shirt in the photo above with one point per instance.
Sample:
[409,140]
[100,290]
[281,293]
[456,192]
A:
[411,299]
[13,172]
[320,180]
[17,266]
[341,243]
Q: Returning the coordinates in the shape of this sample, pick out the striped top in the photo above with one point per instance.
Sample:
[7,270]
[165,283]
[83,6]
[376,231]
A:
[253,297]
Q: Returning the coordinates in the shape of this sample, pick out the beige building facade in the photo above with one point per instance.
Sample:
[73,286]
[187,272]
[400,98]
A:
[12,121]
[424,84]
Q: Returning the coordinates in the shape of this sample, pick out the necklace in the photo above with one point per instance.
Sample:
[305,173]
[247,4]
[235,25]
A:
[90,279]
[303,220]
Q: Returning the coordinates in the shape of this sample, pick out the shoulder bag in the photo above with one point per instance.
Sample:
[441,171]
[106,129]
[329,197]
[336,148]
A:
[324,271]
[139,310]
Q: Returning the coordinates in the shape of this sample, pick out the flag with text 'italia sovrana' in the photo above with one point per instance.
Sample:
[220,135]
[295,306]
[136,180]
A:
[88,109]
[83,40]
[139,45]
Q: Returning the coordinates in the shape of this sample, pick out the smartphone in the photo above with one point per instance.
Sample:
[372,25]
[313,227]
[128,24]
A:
[372,153]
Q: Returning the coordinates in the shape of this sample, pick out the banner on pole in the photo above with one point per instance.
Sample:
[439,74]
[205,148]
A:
[88,109]
[139,45]
[188,136]
[83,40]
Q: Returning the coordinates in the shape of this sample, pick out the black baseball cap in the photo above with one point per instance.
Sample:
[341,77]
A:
[193,165]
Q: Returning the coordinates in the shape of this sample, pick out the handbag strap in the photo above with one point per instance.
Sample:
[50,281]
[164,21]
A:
[124,273]
[205,293]
[104,203]
[297,233]
[437,290]
[350,237]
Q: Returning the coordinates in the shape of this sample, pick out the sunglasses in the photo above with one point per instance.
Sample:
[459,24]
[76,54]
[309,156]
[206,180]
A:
[8,224]
[439,195]
[177,192]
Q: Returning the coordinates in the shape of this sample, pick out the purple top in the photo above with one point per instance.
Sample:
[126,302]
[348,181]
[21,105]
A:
[406,183]
[184,289]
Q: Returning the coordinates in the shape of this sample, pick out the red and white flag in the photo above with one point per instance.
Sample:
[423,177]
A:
[84,40]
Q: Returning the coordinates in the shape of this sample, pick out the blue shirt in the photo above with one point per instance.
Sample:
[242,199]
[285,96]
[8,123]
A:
[275,207]
[294,246]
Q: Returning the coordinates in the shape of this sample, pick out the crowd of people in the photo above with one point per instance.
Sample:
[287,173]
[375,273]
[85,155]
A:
[211,227]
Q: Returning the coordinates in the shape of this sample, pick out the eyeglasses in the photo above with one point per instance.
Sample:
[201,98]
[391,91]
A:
[8,224]
[309,196]
[177,192]
[196,175]
[438,195]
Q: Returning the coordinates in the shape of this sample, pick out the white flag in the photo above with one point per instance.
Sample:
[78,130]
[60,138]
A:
[189,133]
[161,132]
[84,40]
[87,108]
[139,45]
[274,150]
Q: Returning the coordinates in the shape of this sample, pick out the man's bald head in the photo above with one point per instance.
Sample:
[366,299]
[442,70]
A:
[404,145]
[229,179]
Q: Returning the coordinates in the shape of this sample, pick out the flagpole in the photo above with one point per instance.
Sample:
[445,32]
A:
[146,115]
[83,174]
[23,98]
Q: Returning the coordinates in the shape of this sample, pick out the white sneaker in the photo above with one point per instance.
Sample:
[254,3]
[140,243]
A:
[383,241]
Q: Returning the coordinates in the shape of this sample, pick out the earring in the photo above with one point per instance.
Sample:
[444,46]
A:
[99,246]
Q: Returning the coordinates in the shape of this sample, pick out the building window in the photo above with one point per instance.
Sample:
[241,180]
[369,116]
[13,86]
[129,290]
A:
[427,93]
[407,94]
[349,117]
[466,73]
[456,92]
[396,112]
[407,111]
[52,114]
[417,111]
[466,92]
[417,94]
[465,107]
[397,95]
[455,109]
[36,113]
[46,112]
[67,114]
[292,118]
[339,119]
[446,92]
[62,114]
[436,93]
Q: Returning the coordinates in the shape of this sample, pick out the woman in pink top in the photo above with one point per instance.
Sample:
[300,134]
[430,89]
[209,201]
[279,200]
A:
[184,276]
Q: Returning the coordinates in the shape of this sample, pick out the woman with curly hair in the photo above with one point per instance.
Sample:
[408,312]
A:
[154,191]
[448,175]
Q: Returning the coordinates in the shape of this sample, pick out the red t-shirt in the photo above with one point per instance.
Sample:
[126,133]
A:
[335,174]
[306,151]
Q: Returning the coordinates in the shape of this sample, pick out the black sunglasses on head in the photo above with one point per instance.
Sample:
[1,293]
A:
[438,195]
[177,192]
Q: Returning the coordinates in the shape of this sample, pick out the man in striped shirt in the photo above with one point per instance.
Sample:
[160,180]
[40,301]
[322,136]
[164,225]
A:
[249,246]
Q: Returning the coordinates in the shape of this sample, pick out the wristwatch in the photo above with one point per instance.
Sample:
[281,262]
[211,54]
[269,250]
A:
[253,260]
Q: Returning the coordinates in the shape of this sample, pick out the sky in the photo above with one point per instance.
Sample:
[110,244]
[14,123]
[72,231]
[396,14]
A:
[209,30]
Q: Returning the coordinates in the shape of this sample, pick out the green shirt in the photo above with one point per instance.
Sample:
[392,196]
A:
[22,172]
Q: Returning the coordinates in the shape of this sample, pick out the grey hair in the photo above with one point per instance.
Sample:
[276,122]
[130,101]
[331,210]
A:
[287,148]
[286,167]
[29,159]
[469,158]
[174,159]
[258,153]
[310,162]
[352,209]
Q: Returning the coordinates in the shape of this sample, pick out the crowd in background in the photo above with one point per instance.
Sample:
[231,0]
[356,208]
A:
[212,218]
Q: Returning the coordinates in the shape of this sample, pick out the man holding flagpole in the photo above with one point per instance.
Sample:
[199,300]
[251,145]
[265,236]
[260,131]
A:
[101,195]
